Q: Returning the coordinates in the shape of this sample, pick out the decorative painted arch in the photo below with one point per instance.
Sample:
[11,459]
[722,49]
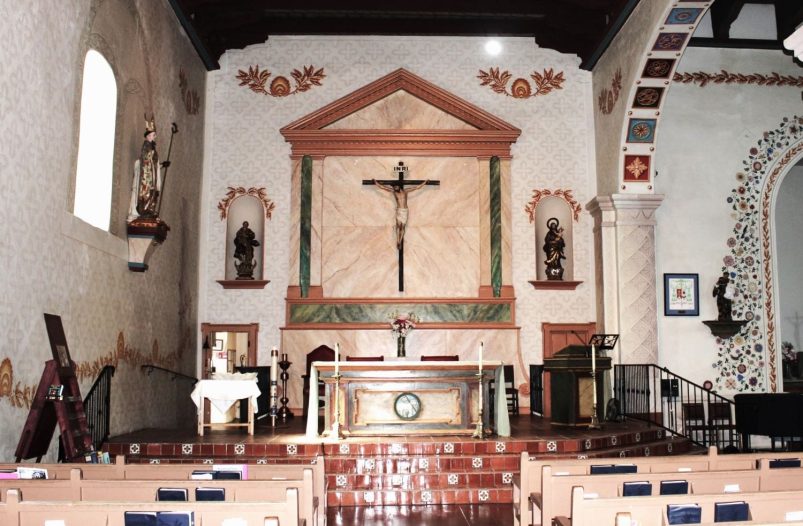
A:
[233,193]
[647,92]
[748,361]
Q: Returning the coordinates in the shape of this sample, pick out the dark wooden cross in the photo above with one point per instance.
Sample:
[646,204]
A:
[398,185]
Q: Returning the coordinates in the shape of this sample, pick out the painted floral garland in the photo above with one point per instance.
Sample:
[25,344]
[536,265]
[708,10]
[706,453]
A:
[725,77]
[566,195]
[304,80]
[21,396]
[544,83]
[608,97]
[742,360]
[236,191]
[192,101]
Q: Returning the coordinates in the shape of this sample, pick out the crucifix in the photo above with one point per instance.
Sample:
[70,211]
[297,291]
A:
[397,188]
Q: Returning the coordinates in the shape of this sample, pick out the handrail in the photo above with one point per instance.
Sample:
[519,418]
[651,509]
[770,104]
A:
[657,395]
[97,409]
[149,368]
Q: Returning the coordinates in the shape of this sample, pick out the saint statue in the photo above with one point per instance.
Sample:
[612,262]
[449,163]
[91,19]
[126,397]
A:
[244,243]
[553,248]
[399,193]
[724,291]
[148,181]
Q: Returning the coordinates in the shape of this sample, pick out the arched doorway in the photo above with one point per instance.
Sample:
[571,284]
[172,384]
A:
[788,247]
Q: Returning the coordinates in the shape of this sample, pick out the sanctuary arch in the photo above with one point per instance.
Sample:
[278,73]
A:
[343,285]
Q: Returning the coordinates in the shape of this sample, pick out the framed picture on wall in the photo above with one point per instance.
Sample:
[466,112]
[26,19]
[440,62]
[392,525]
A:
[681,295]
[218,345]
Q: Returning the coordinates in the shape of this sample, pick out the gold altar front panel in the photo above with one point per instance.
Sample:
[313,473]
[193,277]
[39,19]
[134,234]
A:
[376,406]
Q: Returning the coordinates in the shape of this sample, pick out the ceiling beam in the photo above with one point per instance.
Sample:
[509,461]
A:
[723,14]
[788,15]
[206,57]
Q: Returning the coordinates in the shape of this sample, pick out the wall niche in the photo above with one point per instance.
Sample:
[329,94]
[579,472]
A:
[553,210]
[245,213]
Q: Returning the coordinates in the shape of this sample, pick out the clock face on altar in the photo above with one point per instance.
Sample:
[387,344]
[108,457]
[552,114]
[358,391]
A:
[407,406]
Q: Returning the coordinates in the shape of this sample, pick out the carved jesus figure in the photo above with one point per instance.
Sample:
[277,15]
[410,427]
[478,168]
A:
[399,193]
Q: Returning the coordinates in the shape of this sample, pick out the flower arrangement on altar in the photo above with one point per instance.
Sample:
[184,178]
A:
[402,324]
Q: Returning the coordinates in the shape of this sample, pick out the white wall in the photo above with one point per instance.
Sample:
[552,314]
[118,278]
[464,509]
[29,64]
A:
[53,262]
[704,138]
[244,148]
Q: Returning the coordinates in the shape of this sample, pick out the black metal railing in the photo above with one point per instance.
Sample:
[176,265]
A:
[97,408]
[149,368]
[659,396]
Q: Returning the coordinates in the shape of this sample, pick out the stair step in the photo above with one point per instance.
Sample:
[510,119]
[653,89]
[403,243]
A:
[420,497]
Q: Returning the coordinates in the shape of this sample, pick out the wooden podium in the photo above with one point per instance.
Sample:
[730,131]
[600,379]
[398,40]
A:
[57,400]
[571,386]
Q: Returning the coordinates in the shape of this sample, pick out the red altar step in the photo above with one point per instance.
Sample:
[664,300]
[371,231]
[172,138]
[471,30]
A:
[402,471]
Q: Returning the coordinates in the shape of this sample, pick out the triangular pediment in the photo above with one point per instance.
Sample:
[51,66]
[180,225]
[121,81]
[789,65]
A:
[400,112]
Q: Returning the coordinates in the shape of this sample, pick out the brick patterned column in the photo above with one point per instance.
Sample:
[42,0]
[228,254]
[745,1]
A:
[624,239]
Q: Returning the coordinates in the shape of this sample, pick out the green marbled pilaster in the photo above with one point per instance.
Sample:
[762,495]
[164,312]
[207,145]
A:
[496,226]
[382,312]
[306,225]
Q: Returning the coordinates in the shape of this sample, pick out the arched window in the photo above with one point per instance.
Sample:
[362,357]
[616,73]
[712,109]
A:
[93,180]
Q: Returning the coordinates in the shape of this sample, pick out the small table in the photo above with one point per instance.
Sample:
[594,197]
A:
[223,394]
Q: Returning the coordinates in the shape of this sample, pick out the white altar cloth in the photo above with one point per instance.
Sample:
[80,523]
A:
[224,393]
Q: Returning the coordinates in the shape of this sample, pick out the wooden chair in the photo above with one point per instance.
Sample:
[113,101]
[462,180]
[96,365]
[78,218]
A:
[365,358]
[319,354]
[694,421]
[441,358]
[510,390]
[721,422]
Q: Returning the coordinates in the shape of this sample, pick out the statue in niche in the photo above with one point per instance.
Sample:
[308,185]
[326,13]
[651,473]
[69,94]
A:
[554,246]
[148,180]
[244,243]
[724,291]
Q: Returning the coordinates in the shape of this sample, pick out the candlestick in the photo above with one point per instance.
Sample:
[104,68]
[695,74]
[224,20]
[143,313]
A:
[482,345]
[274,376]
[284,411]
[594,418]
[337,358]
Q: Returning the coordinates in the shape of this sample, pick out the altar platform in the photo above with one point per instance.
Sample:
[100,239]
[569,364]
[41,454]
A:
[402,470]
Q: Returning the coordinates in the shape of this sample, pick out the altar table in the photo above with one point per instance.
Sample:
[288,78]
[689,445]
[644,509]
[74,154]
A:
[223,394]
[445,393]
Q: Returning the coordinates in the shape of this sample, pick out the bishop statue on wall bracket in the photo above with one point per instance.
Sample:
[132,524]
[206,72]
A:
[145,228]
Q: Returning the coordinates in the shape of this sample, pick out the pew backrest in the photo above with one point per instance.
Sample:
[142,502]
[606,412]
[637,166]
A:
[18,512]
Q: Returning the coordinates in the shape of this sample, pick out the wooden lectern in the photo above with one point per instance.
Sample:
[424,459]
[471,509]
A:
[571,386]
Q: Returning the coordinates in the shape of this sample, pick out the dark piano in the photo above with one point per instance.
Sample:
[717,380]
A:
[776,415]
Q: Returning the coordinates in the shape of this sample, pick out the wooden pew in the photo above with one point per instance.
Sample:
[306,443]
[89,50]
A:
[556,496]
[765,507]
[78,489]
[119,470]
[527,484]
[18,512]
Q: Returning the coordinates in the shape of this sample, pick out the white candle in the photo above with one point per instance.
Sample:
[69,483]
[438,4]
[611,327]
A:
[337,359]
[482,344]
[274,367]
[594,371]
[274,376]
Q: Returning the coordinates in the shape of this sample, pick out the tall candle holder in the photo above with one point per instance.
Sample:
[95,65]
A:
[594,424]
[603,342]
[478,431]
[284,411]
[336,422]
